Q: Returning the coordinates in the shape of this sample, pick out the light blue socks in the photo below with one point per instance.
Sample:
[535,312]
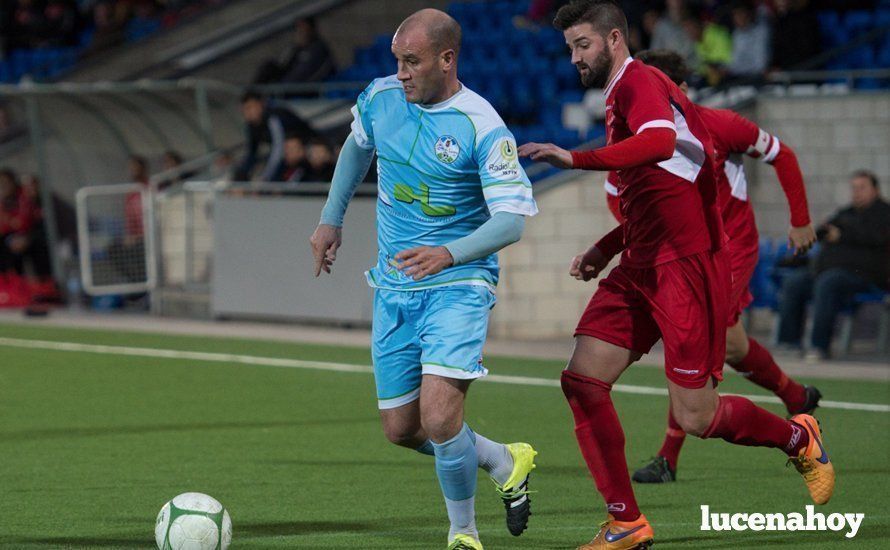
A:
[456,464]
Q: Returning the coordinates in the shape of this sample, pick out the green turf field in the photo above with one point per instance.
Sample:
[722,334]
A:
[93,444]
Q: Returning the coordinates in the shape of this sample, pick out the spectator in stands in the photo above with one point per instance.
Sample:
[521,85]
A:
[37,254]
[795,36]
[670,32]
[308,60]
[62,22]
[27,25]
[269,125]
[222,170]
[539,14]
[854,257]
[750,42]
[713,48]
[321,162]
[108,26]
[295,165]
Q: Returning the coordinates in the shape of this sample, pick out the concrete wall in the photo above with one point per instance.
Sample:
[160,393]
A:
[536,297]
[832,135]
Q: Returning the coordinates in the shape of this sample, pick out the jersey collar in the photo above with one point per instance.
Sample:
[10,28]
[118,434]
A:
[614,81]
[445,104]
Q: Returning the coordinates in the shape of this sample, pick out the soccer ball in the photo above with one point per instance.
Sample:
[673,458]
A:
[193,521]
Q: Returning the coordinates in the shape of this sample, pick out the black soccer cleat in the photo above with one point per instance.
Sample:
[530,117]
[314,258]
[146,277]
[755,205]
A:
[811,401]
[519,508]
[656,470]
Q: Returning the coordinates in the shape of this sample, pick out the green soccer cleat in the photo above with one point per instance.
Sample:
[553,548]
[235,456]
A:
[656,470]
[514,492]
[464,542]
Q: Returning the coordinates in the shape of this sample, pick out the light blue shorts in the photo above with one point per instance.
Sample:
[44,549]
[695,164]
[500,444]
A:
[439,331]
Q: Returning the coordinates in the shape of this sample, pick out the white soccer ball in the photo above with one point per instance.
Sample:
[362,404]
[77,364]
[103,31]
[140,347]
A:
[193,521]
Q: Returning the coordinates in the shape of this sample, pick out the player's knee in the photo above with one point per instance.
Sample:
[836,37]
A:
[439,426]
[402,436]
[695,423]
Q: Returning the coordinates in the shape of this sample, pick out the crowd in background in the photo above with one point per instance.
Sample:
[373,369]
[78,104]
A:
[724,40]
[91,24]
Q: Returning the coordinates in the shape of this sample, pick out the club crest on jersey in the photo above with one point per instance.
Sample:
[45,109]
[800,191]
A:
[447,149]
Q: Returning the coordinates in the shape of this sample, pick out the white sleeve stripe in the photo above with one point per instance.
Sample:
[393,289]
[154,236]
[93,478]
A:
[358,130]
[610,189]
[773,150]
[658,124]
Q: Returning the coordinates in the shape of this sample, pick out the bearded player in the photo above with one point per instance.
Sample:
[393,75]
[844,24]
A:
[672,282]
[734,136]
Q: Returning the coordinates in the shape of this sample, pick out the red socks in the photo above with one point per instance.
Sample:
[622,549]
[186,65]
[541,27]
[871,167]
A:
[673,441]
[601,440]
[759,367]
[740,421]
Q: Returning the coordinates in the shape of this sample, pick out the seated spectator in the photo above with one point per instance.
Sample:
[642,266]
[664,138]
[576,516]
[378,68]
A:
[854,257]
[17,218]
[267,125]
[750,42]
[308,60]
[669,32]
[321,162]
[37,255]
[295,165]
[713,48]
[27,25]
[793,38]
[127,253]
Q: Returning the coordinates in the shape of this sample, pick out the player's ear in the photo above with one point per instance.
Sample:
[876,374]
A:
[448,59]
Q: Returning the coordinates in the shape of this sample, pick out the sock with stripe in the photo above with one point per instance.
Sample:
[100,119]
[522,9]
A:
[674,436]
[740,421]
[456,464]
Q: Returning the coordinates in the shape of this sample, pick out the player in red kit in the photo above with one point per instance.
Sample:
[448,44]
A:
[734,136]
[672,282]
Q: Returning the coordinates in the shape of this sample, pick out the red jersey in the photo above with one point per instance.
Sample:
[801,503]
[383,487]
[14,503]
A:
[670,207]
[733,136]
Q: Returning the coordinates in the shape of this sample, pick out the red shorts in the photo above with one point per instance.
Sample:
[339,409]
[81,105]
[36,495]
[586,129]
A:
[742,262]
[683,302]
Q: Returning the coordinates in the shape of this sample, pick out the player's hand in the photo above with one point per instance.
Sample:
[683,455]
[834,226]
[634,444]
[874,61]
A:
[325,241]
[801,238]
[833,233]
[423,261]
[547,152]
[588,265]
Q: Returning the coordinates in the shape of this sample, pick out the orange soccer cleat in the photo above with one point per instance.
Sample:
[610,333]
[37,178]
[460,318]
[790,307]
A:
[813,462]
[622,535]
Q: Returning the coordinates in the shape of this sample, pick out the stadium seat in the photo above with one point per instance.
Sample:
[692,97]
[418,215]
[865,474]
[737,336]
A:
[876,298]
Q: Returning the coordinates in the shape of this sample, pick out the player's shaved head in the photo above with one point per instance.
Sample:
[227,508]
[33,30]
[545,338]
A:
[602,15]
[442,31]
[426,45]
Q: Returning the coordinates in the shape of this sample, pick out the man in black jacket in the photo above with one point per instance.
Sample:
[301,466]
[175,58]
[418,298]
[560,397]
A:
[267,124]
[854,257]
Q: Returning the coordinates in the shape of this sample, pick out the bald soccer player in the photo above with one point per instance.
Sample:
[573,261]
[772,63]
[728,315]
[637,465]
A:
[451,193]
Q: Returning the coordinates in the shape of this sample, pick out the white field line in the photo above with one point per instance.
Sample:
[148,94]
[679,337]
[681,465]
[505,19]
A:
[346,367]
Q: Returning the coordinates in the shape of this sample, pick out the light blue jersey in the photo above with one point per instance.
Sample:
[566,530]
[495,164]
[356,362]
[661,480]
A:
[443,170]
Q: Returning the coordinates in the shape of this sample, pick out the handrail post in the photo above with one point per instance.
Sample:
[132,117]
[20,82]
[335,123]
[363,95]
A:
[204,122]
[46,193]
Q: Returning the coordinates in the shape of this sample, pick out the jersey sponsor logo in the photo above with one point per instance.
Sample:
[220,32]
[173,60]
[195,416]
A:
[447,149]
[404,193]
[504,166]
